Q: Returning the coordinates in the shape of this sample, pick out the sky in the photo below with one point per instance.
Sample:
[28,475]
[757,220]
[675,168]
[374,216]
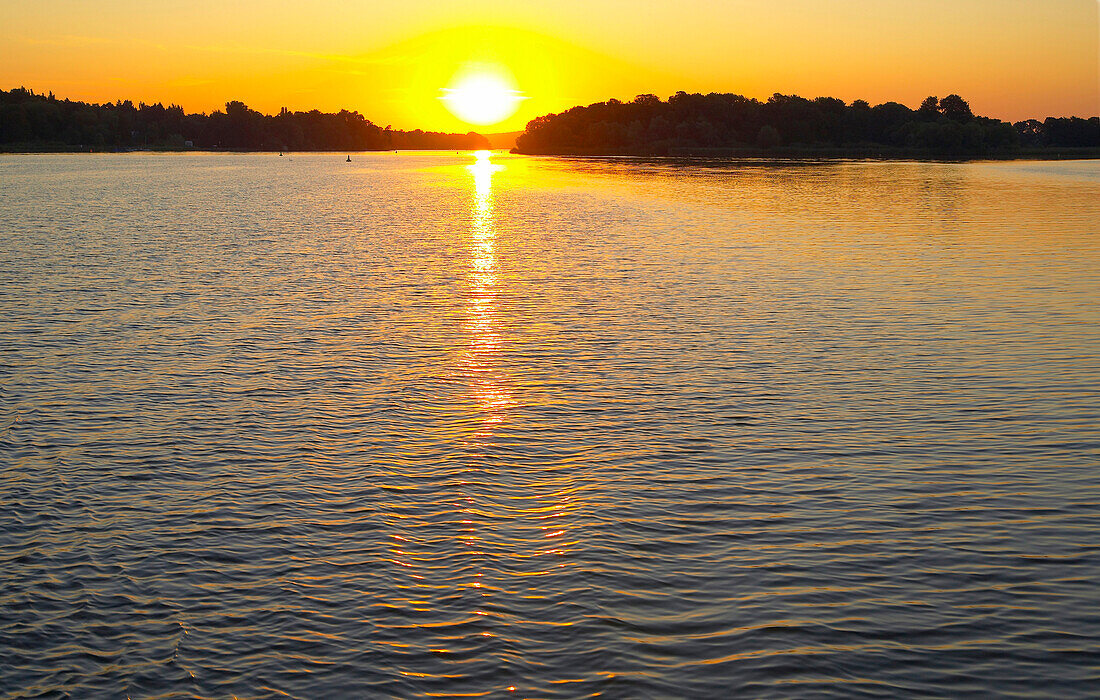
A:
[391,61]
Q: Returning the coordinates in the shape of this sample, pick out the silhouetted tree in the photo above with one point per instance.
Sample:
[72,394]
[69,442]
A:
[929,110]
[956,108]
[1071,131]
[855,123]
[1030,132]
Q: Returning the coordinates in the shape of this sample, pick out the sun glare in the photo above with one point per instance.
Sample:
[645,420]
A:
[482,95]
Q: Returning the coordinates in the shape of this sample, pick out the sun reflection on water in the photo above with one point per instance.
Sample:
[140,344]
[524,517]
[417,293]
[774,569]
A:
[507,516]
[480,358]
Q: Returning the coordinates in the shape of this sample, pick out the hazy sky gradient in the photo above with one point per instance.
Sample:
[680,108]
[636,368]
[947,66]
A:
[1011,58]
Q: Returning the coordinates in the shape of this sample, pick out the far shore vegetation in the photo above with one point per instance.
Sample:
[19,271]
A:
[715,125]
[727,125]
[33,122]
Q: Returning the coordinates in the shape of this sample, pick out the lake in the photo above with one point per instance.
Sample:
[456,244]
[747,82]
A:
[428,425]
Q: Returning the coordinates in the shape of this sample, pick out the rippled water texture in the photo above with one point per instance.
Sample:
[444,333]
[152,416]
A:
[421,425]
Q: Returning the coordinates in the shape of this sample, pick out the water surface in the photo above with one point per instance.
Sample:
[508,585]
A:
[421,425]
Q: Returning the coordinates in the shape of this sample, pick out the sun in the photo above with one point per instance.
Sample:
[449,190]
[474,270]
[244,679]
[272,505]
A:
[482,94]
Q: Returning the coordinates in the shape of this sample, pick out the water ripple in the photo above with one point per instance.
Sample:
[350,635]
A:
[429,426]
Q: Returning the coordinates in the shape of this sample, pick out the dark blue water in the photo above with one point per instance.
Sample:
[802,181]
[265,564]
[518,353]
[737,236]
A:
[425,426]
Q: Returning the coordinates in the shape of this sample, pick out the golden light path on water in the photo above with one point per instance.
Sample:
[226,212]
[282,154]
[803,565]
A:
[489,382]
[507,511]
[535,519]
[484,344]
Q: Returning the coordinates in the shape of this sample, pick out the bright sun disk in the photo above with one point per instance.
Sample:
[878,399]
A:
[481,96]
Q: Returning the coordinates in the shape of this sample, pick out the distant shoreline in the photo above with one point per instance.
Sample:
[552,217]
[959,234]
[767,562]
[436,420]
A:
[1069,153]
[720,125]
[44,123]
[48,149]
[694,154]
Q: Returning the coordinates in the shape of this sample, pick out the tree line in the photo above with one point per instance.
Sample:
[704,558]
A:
[30,121]
[789,123]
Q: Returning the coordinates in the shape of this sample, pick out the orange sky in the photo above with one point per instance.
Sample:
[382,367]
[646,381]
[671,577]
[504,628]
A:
[1011,58]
